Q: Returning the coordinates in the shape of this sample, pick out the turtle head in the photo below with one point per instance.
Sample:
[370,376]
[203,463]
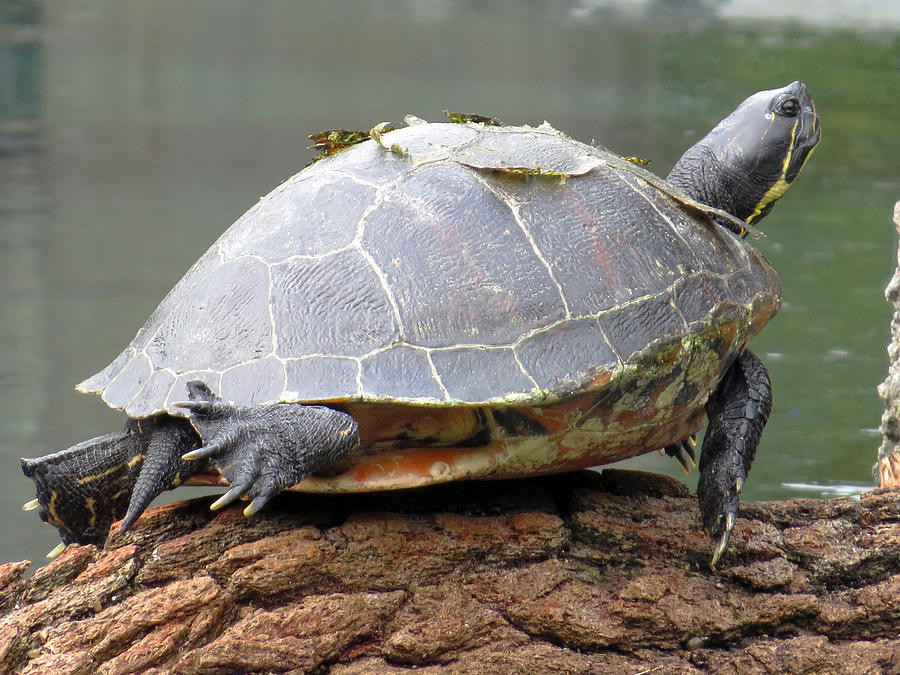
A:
[750,158]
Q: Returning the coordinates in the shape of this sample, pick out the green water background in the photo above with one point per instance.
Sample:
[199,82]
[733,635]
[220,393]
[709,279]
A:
[132,134]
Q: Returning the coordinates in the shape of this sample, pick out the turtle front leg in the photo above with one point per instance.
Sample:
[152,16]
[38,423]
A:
[737,412]
[265,448]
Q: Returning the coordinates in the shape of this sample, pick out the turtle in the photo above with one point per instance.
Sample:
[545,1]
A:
[457,300]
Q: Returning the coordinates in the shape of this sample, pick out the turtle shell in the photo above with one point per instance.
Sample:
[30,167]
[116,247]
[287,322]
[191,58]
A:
[460,265]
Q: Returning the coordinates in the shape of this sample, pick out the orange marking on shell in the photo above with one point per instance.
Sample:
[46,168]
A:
[421,464]
[560,416]
[600,380]
[763,316]
[728,333]
[639,417]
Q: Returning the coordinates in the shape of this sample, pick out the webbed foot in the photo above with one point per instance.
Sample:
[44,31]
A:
[83,489]
[263,449]
[737,411]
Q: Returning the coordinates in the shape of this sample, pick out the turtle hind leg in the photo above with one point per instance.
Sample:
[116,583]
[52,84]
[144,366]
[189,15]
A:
[737,412]
[162,467]
[83,489]
[265,448]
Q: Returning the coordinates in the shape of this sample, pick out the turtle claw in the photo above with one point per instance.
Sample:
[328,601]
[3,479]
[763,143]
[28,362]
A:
[723,540]
[685,464]
[688,447]
[683,451]
[202,452]
[255,506]
[203,403]
[57,551]
[261,495]
[206,408]
[32,505]
[235,493]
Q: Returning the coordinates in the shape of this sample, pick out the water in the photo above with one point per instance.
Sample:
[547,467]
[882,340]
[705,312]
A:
[132,134]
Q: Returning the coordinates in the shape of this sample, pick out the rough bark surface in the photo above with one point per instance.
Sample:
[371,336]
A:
[582,573]
[887,470]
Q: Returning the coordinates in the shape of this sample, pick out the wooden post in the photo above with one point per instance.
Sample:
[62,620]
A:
[887,470]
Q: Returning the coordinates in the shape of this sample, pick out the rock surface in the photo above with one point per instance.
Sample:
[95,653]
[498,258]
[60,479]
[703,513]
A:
[581,573]
[887,470]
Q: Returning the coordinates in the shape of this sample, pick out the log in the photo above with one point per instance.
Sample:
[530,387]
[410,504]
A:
[579,573]
[887,469]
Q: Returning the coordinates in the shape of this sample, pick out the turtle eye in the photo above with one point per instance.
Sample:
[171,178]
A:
[789,107]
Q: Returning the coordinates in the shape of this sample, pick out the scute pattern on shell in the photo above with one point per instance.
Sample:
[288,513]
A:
[486,264]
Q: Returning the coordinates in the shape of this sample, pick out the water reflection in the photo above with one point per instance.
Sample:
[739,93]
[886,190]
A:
[24,209]
[131,134]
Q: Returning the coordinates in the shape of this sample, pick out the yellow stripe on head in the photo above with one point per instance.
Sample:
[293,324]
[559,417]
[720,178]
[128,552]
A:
[781,185]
